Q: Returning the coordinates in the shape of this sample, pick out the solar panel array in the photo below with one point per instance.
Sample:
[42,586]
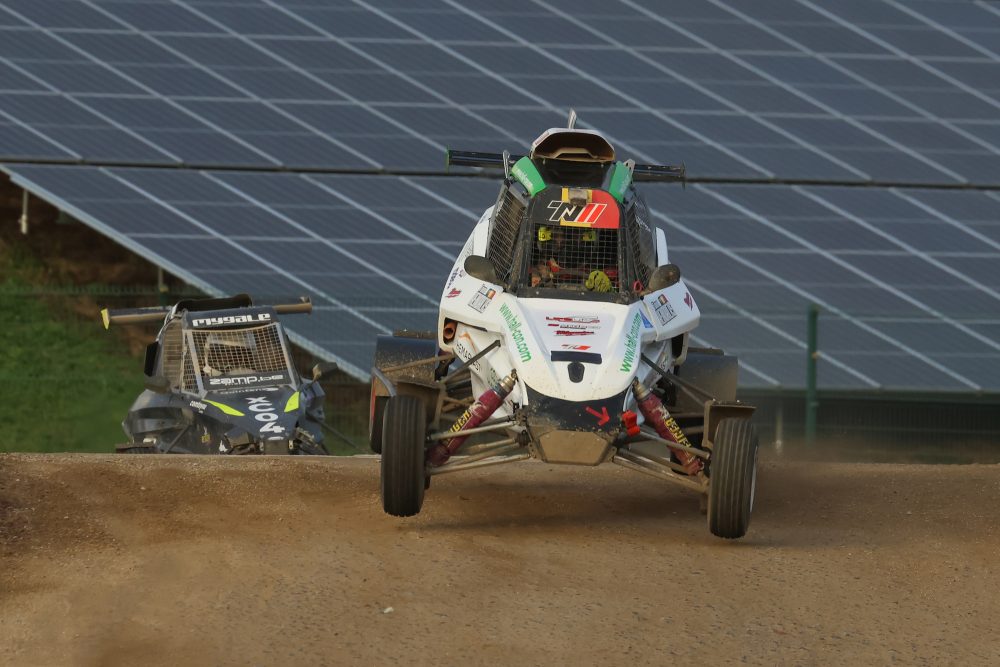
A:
[859,91]
[798,91]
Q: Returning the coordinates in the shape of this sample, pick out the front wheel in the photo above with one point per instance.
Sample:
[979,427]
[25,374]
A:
[404,429]
[733,470]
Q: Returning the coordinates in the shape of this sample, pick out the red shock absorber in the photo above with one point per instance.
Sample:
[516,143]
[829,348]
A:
[476,414]
[656,414]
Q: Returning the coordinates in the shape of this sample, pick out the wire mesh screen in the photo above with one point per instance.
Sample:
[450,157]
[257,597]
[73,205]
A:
[172,358]
[227,352]
[576,258]
[642,252]
[503,238]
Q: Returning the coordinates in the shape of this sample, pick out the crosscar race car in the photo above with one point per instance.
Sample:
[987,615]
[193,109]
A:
[563,336]
[220,380]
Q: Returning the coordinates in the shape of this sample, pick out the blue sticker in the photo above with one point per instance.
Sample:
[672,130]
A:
[646,323]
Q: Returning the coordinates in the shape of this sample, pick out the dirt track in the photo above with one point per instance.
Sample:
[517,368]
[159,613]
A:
[178,560]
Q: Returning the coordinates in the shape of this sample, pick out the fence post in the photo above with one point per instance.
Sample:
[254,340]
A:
[812,402]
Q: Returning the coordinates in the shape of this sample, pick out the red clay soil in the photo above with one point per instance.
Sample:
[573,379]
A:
[273,561]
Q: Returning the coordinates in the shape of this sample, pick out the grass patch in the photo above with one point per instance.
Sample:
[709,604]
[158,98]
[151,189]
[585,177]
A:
[67,384]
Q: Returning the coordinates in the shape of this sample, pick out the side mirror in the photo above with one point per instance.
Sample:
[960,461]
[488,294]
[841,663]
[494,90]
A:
[664,276]
[157,383]
[478,266]
[323,370]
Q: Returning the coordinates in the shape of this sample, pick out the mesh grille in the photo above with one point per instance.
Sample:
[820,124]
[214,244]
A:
[564,257]
[233,352]
[503,239]
[172,353]
[642,250]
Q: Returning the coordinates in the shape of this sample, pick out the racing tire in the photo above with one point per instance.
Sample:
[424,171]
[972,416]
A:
[404,472]
[733,478]
[377,414]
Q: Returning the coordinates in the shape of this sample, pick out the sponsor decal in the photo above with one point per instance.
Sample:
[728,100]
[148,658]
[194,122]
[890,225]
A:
[453,293]
[197,405]
[483,298]
[462,421]
[576,325]
[688,300]
[578,348]
[599,212]
[231,319]
[602,417]
[242,380]
[676,431]
[456,273]
[464,352]
[631,344]
[516,334]
[645,321]
[264,412]
[663,310]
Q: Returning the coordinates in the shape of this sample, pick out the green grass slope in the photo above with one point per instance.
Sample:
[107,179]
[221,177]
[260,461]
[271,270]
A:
[65,383]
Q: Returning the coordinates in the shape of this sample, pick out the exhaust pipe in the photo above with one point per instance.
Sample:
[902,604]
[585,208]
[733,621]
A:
[448,331]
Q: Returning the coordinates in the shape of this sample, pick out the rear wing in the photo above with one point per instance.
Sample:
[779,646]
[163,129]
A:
[156,314]
[641,172]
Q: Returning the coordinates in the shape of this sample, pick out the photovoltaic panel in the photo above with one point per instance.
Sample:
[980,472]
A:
[873,91]
[898,312]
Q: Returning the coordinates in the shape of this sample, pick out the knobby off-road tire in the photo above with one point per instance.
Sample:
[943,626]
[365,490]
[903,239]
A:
[404,429]
[733,478]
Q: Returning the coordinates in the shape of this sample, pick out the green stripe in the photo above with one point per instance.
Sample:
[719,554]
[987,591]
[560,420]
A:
[621,177]
[527,175]
[225,408]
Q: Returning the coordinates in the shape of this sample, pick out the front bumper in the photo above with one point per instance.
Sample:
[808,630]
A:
[574,432]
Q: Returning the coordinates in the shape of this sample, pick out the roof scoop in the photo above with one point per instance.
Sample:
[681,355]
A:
[569,143]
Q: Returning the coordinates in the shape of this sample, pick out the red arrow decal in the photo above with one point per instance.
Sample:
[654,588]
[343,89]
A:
[602,417]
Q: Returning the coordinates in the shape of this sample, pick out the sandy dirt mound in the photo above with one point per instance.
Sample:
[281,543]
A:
[180,560]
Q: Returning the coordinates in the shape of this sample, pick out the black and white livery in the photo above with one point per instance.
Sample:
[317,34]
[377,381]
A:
[563,336]
[220,380]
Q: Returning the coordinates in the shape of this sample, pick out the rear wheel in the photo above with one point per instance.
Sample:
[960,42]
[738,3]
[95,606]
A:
[404,473]
[733,478]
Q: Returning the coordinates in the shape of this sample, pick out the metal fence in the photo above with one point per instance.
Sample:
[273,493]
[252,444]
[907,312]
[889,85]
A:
[881,426]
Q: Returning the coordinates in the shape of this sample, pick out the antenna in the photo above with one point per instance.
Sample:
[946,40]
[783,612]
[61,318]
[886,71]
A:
[571,122]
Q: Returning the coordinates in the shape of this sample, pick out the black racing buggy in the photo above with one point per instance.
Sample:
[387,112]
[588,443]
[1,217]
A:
[220,380]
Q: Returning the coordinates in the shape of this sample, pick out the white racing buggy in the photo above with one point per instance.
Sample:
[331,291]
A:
[563,336]
[220,380]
